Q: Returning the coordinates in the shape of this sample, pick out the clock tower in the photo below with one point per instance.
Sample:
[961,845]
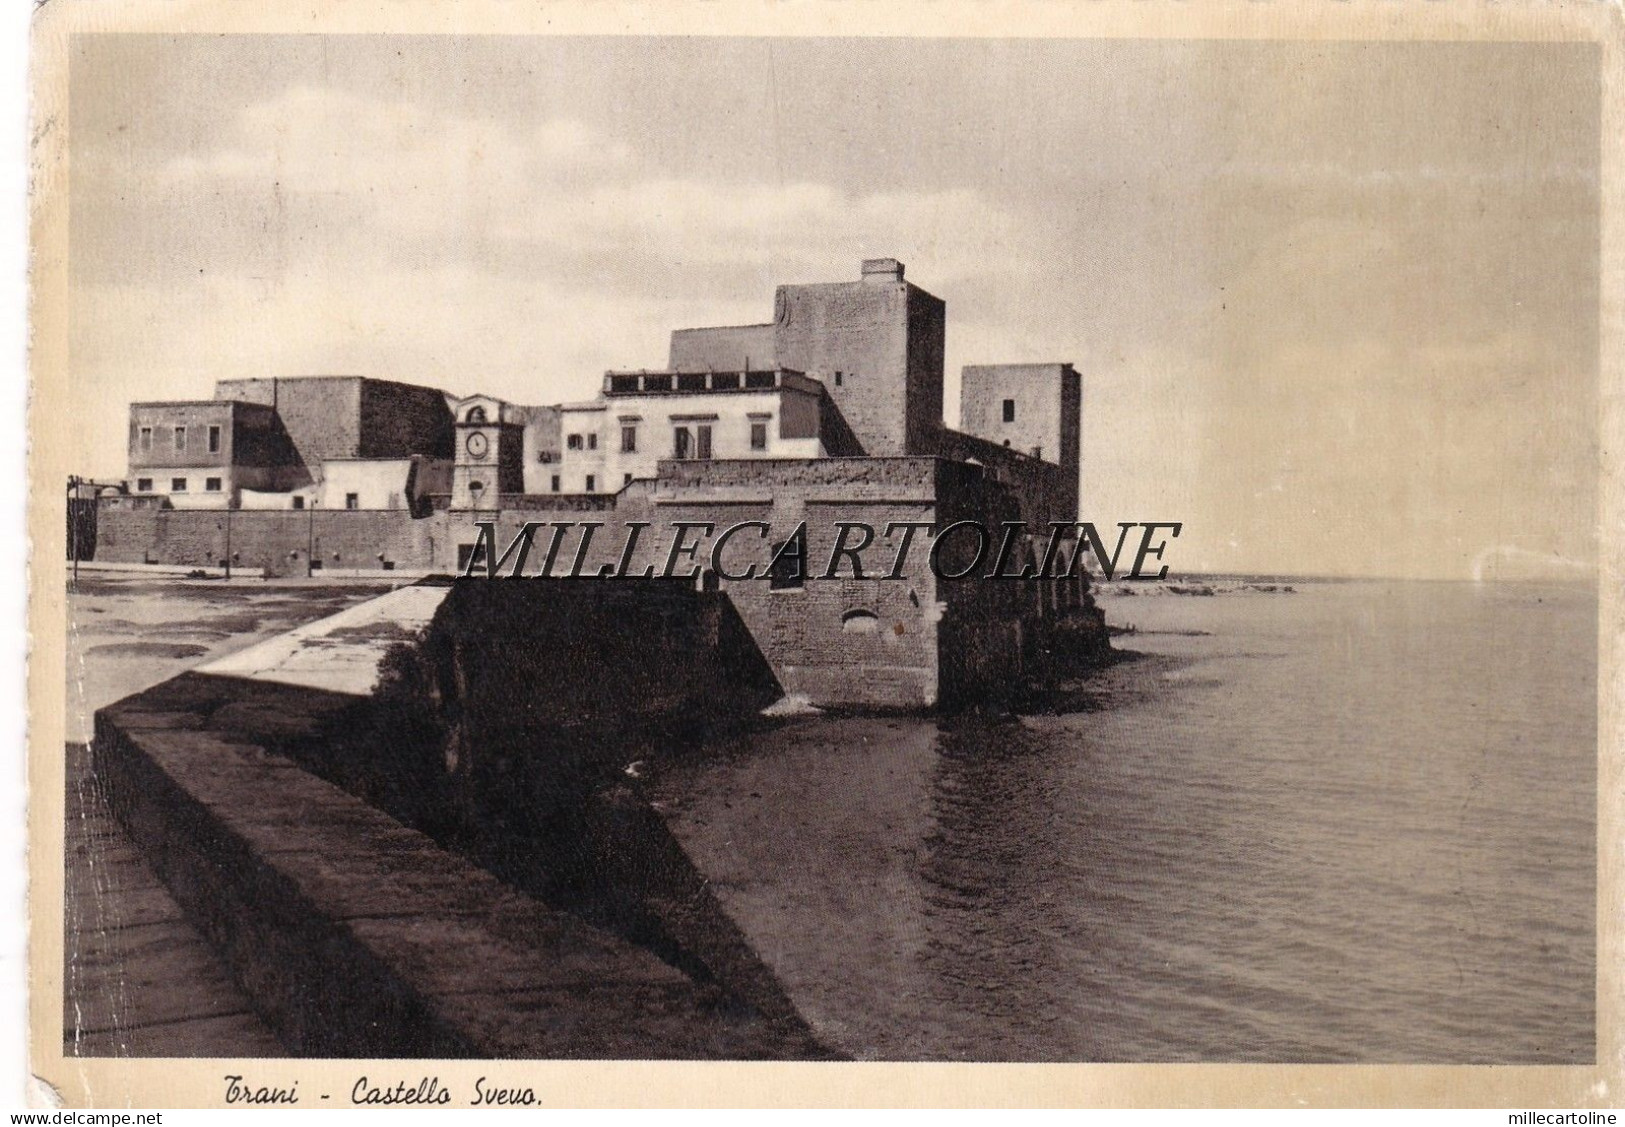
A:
[489,458]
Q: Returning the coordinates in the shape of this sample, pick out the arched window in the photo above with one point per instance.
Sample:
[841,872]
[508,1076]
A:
[475,415]
[859,622]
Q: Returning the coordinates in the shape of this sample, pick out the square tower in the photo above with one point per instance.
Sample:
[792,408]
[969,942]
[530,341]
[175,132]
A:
[1032,408]
[1035,409]
[876,345]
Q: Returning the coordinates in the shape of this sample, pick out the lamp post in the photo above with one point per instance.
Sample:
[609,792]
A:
[76,509]
[73,524]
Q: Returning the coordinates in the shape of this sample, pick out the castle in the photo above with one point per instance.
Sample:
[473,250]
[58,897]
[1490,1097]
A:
[830,412]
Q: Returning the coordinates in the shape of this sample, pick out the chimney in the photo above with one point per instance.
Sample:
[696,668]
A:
[881,270]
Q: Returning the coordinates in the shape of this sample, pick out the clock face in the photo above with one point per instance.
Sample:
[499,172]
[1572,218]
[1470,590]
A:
[477,444]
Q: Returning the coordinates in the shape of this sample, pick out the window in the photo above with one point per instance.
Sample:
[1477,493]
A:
[592,483]
[475,415]
[143,485]
[758,436]
[626,479]
[1009,410]
[146,440]
[788,571]
[592,442]
[629,440]
[211,485]
[180,438]
[214,440]
[837,379]
[573,442]
[177,485]
[691,444]
[555,483]
[353,500]
[298,501]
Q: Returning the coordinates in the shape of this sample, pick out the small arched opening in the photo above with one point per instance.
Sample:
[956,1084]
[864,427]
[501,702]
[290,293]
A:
[860,622]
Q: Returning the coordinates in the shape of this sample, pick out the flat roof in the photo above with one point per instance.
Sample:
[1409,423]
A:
[228,404]
[1022,364]
[781,379]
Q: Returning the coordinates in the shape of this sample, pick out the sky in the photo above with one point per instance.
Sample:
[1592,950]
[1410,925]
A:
[1335,305]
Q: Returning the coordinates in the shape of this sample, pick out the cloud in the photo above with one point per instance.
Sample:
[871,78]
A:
[561,192]
[332,141]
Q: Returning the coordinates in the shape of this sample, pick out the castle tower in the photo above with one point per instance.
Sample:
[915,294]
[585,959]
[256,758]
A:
[876,344]
[1032,408]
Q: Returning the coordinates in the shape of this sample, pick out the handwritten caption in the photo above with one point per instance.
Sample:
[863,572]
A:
[428,1091]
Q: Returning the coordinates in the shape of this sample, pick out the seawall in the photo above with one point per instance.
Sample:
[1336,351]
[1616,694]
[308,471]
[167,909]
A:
[356,936]
[512,731]
[546,911]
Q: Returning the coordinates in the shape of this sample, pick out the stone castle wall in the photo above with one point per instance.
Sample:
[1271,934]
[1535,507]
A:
[723,348]
[859,330]
[398,420]
[1044,491]
[275,542]
[351,416]
[847,640]
[321,416]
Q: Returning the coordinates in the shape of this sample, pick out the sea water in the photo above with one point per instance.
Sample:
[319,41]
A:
[1352,823]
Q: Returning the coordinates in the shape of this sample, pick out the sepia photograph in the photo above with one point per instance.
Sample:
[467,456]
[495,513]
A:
[814,546]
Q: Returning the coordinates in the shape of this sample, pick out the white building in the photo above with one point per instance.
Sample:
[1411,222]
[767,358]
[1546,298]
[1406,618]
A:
[644,417]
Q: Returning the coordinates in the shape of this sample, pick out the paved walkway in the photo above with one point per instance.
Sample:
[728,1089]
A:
[139,980]
[339,653]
